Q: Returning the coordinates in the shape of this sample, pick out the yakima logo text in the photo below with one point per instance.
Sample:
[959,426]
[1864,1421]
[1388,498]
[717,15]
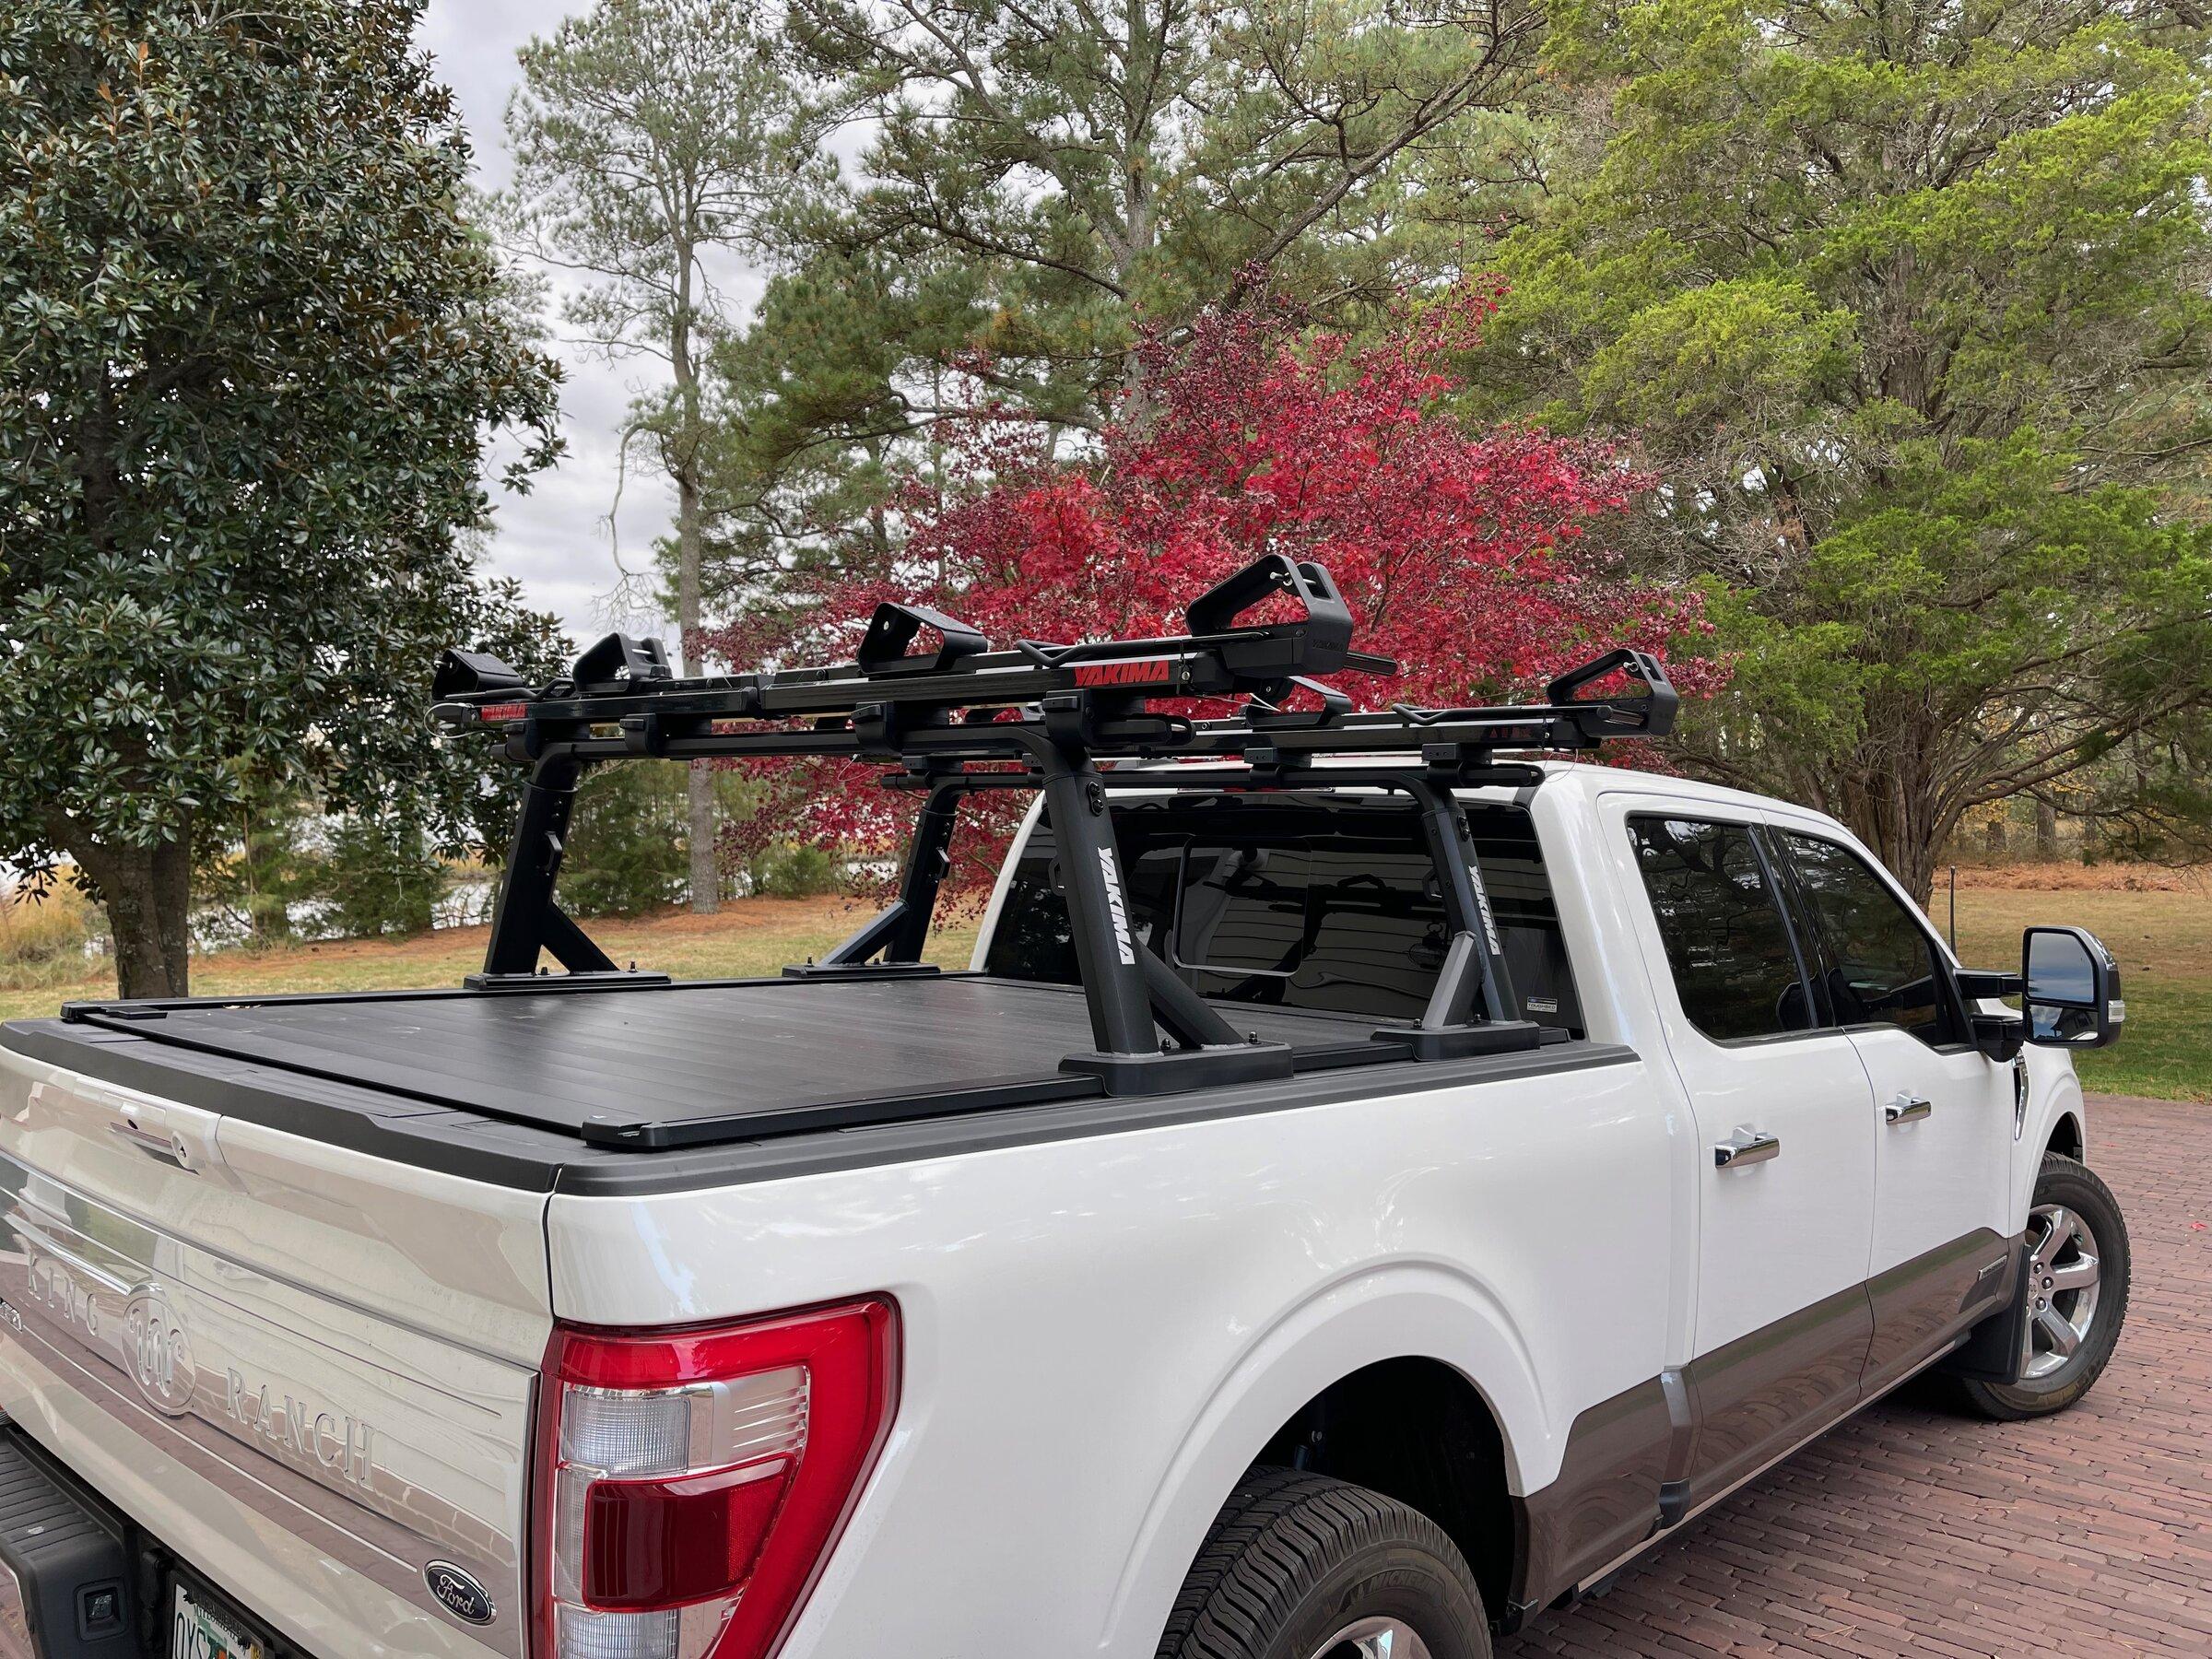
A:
[1114,907]
[1141,671]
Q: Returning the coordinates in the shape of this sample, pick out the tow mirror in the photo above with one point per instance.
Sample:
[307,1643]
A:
[2071,995]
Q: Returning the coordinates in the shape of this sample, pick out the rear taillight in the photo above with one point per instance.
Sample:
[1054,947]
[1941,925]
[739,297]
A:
[691,1483]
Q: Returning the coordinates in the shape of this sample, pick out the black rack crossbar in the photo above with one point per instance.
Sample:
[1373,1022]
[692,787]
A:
[962,717]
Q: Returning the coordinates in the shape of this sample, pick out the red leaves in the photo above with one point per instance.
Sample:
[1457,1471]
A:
[1467,557]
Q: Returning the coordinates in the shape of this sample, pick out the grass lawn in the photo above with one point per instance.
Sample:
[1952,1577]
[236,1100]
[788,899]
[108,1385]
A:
[2164,943]
[2163,940]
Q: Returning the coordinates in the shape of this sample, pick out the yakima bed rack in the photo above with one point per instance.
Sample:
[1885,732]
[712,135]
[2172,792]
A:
[1064,720]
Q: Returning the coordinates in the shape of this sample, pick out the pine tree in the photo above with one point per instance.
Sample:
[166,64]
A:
[650,136]
[1046,183]
[1906,308]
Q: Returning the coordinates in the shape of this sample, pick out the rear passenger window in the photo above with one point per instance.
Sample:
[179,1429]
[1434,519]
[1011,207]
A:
[1727,943]
[1876,964]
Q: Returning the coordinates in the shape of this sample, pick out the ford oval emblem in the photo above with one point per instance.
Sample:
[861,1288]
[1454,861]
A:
[159,1357]
[458,1594]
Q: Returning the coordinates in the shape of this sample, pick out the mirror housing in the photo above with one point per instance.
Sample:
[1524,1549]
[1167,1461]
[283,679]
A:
[2070,992]
[1998,1036]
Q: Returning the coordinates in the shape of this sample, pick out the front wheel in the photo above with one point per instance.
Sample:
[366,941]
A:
[2075,1288]
[1299,1567]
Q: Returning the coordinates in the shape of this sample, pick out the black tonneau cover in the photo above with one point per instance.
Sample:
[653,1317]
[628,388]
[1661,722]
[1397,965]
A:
[687,1064]
[531,1157]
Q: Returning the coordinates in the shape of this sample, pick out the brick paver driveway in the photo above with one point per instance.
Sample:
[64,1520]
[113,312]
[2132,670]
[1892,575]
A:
[1911,1530]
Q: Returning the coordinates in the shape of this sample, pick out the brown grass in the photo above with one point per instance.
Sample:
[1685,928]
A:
[2082,878]
[751,937]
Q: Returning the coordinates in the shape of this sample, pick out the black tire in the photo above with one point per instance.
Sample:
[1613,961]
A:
[2063,1182]
[1294,1559]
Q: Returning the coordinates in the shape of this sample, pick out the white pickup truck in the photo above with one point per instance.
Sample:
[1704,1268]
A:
[1362,1193]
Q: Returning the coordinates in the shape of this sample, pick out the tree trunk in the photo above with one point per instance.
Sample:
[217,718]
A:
[1890,805]
[2046,831]
[706,877]
[706,871]
[147,892]
[1912,859]
[1144,49]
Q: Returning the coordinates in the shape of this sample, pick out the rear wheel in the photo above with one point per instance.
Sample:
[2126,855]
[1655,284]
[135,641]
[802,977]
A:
[2075,1288]
[1301,1567]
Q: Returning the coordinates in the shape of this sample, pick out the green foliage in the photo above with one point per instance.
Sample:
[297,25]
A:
[247,349]
[798,870]
[628,841]
[643,135]
[382,876]
[1044,182]
[1908,312]
[626,846]
[258,859]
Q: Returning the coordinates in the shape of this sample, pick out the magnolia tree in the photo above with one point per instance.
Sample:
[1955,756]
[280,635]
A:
[1467,557]
[249,350]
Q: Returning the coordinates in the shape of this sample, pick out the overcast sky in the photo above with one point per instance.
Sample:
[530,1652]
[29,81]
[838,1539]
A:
[554,540]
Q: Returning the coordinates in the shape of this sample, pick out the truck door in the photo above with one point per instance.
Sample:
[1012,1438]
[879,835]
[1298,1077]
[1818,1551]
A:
[1785,1130]
[1943,1111]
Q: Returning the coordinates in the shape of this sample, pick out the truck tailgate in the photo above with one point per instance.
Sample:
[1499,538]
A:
[308,1372]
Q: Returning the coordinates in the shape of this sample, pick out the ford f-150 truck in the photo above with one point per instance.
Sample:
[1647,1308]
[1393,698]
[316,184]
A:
[1366,1188]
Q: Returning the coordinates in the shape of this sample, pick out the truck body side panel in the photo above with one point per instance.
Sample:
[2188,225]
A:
[1101,1333]
[289,1318]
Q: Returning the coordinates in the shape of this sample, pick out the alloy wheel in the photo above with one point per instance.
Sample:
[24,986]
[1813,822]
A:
[1374,1639]
[2063,1274]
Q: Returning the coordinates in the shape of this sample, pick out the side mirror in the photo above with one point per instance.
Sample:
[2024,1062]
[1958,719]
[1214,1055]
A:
[2071,995]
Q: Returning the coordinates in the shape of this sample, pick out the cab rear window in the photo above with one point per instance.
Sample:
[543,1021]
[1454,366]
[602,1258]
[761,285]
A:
[1309,902]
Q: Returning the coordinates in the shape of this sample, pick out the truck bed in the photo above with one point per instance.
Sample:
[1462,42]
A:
[665,1085]
[674,1063]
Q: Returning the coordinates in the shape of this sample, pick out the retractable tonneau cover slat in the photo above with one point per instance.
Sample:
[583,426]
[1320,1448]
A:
[676,1061]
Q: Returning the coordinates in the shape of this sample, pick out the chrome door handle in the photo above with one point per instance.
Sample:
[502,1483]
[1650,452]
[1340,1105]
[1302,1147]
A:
[1908,1109]
[1747,1146]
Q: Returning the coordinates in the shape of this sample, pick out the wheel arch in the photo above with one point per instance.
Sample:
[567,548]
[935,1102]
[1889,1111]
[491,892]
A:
[2057,1120]
[1421,1332]
[1417,1429]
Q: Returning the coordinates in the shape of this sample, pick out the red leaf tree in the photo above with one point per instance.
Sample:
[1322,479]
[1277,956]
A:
[1467,557]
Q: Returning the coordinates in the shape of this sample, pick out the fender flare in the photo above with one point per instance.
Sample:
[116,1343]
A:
[1406,1310]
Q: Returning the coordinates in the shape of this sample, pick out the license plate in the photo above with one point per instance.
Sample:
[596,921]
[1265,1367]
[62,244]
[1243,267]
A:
[200,1632]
